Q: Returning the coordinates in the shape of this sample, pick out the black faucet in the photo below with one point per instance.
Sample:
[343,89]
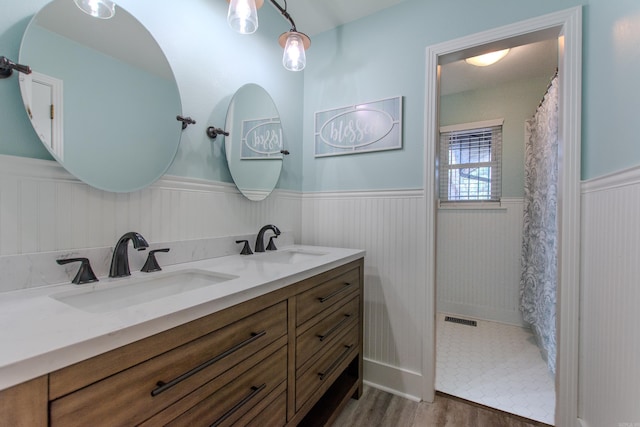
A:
[260,240]
[120,260]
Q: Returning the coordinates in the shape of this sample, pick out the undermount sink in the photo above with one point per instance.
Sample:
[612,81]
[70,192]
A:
[103,297]
[291,256]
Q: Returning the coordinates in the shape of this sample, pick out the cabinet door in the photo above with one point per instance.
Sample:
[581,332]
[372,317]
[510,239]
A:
[25,405]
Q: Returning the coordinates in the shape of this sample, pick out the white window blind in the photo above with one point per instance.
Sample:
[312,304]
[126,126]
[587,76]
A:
[470,161]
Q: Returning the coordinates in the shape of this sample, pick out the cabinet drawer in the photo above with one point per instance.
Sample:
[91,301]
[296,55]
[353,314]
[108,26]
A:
[325,370]
[231,402]
[275,413]
[323,333]
[137,393]
[321,297]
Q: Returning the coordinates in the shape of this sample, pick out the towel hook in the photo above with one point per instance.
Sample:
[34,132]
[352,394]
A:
[185,121]
[213,132]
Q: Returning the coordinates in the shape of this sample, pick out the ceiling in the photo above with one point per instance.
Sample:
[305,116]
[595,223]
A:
[315,16]
[534,60]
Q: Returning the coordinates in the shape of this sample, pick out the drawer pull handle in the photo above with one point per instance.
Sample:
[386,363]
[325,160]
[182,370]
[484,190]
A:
[254,392]
[162,386]
[334,293]
[334,365]
[335,328]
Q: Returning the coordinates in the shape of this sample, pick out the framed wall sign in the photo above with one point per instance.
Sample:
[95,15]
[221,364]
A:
[360,128]
[261,139]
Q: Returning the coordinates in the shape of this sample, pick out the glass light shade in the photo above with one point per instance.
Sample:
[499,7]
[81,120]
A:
[102,9]
[294,58]
[487,58]
[243,16]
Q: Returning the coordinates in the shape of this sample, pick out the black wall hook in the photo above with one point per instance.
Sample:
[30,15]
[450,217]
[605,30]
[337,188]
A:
[7,66]
[213,132]
[186,121]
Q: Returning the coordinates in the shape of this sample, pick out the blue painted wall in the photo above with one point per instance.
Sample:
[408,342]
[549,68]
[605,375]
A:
[384,55]
[380,56]
[514,102]
[210,62]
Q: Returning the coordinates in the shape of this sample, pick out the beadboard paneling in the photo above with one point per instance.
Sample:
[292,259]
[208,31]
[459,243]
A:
[478,262]
[610,293]
[387,225]
[43,208]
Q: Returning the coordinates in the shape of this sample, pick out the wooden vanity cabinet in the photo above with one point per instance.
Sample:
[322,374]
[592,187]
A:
[327,344]
[25,405]
[291,357]
[138,392]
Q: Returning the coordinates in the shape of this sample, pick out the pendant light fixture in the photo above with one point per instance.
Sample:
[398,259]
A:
[488,58]
[101,9]
[243,18]
[294,44]
[243,15]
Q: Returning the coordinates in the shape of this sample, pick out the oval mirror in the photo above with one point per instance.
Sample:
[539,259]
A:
[255,141]
[102,96]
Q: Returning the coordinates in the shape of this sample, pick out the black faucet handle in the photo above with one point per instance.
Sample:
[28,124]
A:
[152,263]
[85,273]
[246,249]
[272,246]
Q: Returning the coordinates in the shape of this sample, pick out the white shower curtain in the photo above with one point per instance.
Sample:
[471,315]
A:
[539,249]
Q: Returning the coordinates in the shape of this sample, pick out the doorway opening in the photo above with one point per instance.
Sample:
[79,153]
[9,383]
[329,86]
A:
[565,26]
[479,231]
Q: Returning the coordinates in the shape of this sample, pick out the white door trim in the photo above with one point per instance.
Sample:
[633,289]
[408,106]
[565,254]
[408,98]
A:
[568,26]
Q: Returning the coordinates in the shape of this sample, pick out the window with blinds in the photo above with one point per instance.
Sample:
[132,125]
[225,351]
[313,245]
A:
[470,162]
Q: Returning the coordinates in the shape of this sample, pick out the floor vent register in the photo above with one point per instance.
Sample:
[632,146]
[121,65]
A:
[460,321]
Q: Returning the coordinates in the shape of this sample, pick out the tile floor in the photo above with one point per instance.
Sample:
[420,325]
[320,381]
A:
[496,365]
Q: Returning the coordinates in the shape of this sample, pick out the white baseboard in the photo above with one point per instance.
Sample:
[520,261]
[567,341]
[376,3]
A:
[394,380]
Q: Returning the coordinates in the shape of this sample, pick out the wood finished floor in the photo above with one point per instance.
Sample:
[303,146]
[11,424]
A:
[380,409]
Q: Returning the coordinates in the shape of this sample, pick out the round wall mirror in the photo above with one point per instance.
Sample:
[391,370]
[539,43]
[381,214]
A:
[102,96]
[255,142]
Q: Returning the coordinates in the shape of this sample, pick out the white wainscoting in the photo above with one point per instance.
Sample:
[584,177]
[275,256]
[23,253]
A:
[478,262]
[610,295]
[43,208]
[389,226]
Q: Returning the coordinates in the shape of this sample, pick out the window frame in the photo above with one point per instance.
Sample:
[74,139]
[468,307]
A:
[443,165]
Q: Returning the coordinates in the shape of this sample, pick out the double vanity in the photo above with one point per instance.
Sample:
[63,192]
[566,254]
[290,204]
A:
[273,338]
[267,339]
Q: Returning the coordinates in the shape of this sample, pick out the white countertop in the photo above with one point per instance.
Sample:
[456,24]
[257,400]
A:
[41,334]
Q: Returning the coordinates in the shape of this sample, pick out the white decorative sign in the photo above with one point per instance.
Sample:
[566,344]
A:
[261,139]
[373,126]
